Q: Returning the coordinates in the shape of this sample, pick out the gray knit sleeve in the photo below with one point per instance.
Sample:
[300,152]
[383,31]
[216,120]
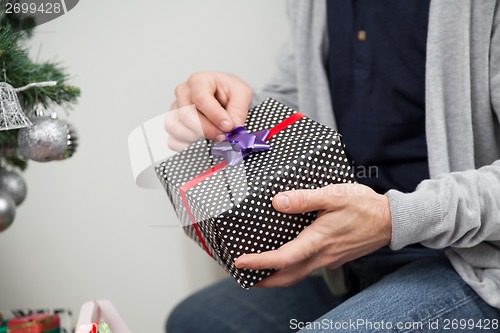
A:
[283,84]
[459,209]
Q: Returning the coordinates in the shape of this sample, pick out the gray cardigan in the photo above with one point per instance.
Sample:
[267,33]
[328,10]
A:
[459,207]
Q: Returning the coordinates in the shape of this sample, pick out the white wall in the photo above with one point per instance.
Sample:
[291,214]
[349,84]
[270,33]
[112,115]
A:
[86,231]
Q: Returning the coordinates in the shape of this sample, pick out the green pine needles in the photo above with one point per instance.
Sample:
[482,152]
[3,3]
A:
[20,70]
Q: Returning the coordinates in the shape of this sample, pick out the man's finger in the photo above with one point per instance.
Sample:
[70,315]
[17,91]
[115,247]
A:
[174,127]
[301,248]
[199,124]
[207,104]
[177,145]
[291,275]
[301,201]
[238,105]
[177,129]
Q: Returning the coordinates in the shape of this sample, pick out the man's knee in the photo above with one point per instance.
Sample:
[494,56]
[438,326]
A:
[175,321]
[182,319]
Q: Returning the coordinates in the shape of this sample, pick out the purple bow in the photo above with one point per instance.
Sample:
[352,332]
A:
[239,144]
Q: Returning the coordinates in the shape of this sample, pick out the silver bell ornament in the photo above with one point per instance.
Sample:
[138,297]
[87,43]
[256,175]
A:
[13,185]
[7,211]
[46,140]
[11,115]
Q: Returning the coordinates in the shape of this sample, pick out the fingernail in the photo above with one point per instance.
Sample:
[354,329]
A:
[225,125]
[282,201]
[220,138]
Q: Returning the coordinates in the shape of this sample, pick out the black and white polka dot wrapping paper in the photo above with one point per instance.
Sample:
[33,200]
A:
[232,207]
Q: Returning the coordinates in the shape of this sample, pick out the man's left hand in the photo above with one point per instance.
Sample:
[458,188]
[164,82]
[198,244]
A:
[353,221]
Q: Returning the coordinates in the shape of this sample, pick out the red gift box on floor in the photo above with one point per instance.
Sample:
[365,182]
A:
[37,323]
[228,210]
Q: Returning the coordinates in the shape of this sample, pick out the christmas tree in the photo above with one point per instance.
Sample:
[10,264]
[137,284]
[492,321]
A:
[26,89]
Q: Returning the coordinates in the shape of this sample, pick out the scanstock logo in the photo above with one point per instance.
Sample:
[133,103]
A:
[36,11]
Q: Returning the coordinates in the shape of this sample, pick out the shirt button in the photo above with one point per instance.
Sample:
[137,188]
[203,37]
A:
[361,35]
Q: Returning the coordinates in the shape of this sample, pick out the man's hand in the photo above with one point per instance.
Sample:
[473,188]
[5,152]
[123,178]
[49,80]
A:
[353,221]
[222,102]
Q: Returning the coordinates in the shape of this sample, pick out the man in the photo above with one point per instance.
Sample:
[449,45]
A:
[422,105]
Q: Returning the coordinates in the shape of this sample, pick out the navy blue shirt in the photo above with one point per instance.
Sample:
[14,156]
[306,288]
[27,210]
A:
[377,81]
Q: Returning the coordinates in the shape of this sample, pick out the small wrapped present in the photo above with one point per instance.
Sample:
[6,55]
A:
[37,323]
[65,316]
[222,192]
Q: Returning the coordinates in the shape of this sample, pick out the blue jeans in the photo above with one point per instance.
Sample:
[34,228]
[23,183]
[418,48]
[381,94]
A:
[412,290]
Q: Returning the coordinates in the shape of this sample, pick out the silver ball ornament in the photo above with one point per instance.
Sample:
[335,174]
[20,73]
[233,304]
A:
[45,141]
[7,211]
[71,143]
[13,184]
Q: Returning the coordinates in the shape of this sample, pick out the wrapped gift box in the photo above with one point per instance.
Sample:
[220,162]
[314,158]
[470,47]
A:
[228,209]
[37,323]
[64,316]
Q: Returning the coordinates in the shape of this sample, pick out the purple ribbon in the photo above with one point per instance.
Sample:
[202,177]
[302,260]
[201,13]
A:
[239,144]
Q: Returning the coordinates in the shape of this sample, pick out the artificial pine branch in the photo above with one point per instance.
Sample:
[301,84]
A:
[20,71]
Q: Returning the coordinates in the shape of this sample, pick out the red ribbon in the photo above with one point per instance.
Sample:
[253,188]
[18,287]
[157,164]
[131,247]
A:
[219,166]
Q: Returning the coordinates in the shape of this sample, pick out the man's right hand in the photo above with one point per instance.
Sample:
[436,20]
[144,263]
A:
[222,101]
